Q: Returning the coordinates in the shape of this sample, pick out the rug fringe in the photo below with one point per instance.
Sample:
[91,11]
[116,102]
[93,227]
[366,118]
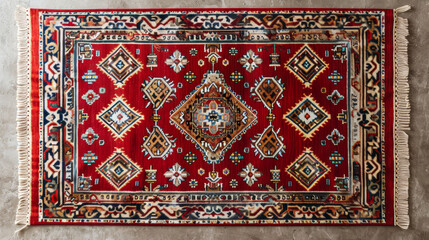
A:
[402,116]
[22,16]
[403,9]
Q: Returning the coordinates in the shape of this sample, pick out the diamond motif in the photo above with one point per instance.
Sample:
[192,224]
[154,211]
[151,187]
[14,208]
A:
[118,169]
[119,117]
[268,144]
[307,169]
[213,117]
[269,90]
[306,65]
[307,117]
[157,90]
[335,137]
[157,144]
[335,97]
[120,66]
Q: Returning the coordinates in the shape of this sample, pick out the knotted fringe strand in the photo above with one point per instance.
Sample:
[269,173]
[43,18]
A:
[23,116]
[402,122]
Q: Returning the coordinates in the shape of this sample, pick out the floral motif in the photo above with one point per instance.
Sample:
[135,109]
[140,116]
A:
[193,183]
[250,61]
[89,136]
[193,51]
[250,174]
[177,174]
[90,97]
[177,61]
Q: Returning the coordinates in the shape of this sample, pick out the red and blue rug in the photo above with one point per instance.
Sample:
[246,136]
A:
[226,116]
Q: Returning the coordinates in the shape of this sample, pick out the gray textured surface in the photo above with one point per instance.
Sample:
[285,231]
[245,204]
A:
[419,137]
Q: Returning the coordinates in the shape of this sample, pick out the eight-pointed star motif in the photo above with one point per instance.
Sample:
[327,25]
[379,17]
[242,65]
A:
[177,61]
[250,61]
[177,174]
[250,174]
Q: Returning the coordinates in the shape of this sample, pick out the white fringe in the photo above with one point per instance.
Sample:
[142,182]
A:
[23,116]
[402,117]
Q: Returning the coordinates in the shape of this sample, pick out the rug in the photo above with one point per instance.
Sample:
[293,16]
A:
[213,117]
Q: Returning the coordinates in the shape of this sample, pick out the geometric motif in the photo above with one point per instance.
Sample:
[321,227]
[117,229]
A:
[157,90]
[307,169]
[306,65]
[82,116]
[335,97]
[118,169]
[90,77]
[190,158]
[193,183]
[335,77]
[236,157]
[250,174]
[342,116]
[190,77]
[90,97]
[85,51]
[269,90]
[89,136]
[120,66]
[236,76]
[268,144]
[340,52]
[177,61]
[307,117]
[335,137]
[118,117]
[336,158]
[213,117]
[84,183]
[250,61]
[177,174]
[342,183]
[157,144]
[89,158]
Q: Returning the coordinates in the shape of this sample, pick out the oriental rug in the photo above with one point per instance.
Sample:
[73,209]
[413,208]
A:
[213,117]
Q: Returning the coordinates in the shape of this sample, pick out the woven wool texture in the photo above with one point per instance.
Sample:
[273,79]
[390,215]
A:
[233,117]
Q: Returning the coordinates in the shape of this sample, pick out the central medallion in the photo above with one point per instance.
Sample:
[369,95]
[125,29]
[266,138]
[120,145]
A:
[213,117]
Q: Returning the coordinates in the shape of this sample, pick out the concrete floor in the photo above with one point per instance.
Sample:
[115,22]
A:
[419,137]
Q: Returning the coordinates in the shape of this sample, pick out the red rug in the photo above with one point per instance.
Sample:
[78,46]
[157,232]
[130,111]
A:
[228,116]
